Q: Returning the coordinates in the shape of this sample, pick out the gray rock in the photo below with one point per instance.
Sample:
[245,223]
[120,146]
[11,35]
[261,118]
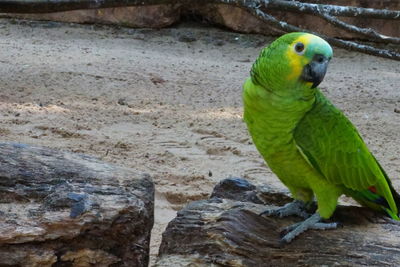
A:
[65,209]
[226,230]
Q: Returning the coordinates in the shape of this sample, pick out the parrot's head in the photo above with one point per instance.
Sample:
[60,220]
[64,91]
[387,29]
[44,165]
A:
[295,61]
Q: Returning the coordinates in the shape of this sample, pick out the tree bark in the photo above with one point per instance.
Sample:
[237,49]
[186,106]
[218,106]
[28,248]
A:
[227,230]
[64,209]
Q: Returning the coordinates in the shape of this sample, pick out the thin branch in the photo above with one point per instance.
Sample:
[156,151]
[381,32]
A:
[367,49]
[334,10]
[334,41]
[367,32]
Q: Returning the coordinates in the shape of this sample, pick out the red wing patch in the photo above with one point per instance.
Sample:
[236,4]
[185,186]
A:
[372,189]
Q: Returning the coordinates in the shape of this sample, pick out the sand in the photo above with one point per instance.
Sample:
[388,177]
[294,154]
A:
[168,102]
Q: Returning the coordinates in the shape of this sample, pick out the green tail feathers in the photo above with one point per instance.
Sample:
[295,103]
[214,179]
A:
[373,198]
[370,198]
[396,198]
[392,215]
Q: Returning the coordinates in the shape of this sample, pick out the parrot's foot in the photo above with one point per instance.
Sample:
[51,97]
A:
[296,207]
[313,222]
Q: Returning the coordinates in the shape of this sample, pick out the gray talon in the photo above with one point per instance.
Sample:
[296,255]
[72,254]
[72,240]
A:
[325,226]
[294,208]
[289,228]
[313,222]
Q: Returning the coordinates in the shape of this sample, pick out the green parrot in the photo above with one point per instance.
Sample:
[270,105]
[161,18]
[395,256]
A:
[306,141]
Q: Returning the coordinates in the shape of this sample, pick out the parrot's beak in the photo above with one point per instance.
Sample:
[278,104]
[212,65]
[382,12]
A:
[315,70]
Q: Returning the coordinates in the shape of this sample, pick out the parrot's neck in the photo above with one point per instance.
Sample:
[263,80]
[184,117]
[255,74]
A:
[273,116]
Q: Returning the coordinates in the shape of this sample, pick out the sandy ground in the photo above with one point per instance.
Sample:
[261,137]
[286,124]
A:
[168,102]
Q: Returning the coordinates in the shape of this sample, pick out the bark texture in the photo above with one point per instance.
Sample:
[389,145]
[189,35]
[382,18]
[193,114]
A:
[226,230]
[63,209]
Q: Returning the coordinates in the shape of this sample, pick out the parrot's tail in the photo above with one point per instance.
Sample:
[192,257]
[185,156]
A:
[395,195]
[371,198]
[396,198]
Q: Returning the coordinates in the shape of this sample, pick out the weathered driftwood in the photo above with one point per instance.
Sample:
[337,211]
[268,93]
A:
[71,210]
[226,230]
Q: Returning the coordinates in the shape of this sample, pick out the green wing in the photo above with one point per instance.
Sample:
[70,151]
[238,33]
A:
[334,147]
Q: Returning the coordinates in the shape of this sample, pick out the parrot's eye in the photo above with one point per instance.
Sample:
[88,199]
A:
[299,48]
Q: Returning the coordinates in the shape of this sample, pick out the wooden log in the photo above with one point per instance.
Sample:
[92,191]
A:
[227,230]
[65,209]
